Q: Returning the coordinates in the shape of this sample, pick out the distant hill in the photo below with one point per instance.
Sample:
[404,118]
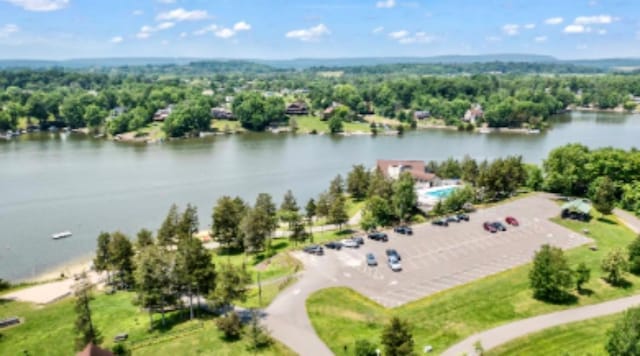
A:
[93,62]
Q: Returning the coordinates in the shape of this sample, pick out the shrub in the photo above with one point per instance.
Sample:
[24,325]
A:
[230,325]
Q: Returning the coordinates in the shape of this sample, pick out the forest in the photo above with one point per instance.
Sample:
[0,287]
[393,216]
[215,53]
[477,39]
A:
[125,99]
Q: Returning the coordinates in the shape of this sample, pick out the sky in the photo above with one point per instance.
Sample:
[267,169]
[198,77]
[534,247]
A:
[284,29]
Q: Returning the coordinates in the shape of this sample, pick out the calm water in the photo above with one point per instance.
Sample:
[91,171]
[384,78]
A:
[51,183]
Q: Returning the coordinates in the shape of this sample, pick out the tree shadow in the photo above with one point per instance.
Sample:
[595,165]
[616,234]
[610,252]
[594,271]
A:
[585,292]
[563,298]
[607,220]
[622,283]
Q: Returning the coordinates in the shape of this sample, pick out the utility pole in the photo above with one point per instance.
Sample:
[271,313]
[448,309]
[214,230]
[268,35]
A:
[259,292]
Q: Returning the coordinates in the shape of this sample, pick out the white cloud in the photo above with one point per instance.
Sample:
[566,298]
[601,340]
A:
[211,28]
[181,14]
[40,5]
[386,4]
[540,39]
[602,31]
[225,33]
[378,29]
[554,21]
[418,37]
[529,26]
[137,12]
[309,34]
[183,34]
[593,20]
[241,26]
[116,39]
[396,35]
[511,29]
[574,28]
[146,31]
[8,29]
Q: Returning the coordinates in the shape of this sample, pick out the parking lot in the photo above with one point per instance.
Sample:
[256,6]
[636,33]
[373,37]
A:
[436,258]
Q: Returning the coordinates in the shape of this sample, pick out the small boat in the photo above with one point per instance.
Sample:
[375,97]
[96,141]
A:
[61,235]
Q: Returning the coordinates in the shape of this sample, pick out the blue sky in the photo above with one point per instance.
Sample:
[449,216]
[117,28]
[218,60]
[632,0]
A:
[59,29]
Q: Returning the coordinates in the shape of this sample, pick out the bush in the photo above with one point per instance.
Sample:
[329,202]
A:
[4,284]
[624,338]
[634,256]
[230,325]
[365,348]
[614,265]
[550,276]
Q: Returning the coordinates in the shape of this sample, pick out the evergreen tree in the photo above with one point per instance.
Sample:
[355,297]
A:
[121,255]
[231,285]
[404,196]
[634,255]
[155,288]
[102,261]
[583,274]
[358,182]
[169,228]
[226,218]
[144,238]
[603,195]
[338,211]
[624,338]
[336,187]
[188,223]
[194,273]
[397,338]
[84,327]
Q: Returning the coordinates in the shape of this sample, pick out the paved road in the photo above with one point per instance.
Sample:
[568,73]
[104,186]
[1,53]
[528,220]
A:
[628,219]
[287,317]
[502,334]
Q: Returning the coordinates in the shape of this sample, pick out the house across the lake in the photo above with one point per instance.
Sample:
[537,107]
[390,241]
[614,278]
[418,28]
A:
[297,108]
[421,115]
[222,114]
[418,170]
[163,114]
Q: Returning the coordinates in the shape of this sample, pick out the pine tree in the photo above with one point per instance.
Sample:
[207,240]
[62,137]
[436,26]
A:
[397,338]
[169,228]
[84,327]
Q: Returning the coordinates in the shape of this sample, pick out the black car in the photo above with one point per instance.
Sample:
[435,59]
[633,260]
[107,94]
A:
[499,226]
[378,236]
[358,239]
[392,252]
[404,230]
[440,222]
[334,245]
[314,250]
[464,217]
[453,218]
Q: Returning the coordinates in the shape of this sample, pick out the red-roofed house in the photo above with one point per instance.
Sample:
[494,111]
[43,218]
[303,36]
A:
[393,168]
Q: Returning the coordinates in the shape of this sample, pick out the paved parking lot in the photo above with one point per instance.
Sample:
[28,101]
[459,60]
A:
[437,258]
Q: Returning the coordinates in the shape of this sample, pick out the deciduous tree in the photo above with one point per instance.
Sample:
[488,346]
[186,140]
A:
[550,277]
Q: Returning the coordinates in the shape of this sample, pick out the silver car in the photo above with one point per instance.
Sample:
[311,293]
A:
[394,263]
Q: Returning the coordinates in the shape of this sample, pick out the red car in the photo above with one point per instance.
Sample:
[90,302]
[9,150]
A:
[489,227]
[512,221]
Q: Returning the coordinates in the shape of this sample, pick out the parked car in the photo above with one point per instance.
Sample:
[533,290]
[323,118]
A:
[394,264]
[512,221]
[463,216]
[499,226]
[371,260]
[440,222]
[334,245]
[392,252]
[403,229]
[358,239]
[378,236]
[350,243]
[453,218]
[314,250]
[489,227]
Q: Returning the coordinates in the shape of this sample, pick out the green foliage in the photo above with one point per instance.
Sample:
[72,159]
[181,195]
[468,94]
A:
[377,212]
[86,331]
[631,197]
[4,285]
[188,119]
[232,283]
[365,347]
[634,256]
[397,339]
[226,218]
[457,199]
[310,210]
[535,178]
[168,231]
[603,195]
[121,258]
[501,178]
[335,125]
[154,285]
[257,334]
[188,223]
[255,112]
[358,182]
[566,170]
[550,277]
[144,238]
[230,326]
[624,338]
[120,350]
[404,196]
[615,265]
[338,211]
[380,186]
[259,223]
[193,272]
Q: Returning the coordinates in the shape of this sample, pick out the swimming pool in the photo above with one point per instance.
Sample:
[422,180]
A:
[440,192]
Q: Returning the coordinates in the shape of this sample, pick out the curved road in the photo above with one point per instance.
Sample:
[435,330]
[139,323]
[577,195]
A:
[502,334]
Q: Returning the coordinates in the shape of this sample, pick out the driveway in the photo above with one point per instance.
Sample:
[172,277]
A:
[502,334]
[628,219]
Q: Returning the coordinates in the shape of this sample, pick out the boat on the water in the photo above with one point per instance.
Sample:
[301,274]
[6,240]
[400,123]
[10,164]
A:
[61,235]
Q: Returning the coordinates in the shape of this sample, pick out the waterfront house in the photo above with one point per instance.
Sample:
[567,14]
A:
[117,111]
[222,114]
[393,168]
[421,114]
[297,108]
[473,114]
[163,114]
[326,114]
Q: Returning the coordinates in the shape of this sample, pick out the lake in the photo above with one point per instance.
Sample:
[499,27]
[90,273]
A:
[56,182]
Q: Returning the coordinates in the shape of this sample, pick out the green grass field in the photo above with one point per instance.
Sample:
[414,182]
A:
[582,338]
[341,316]
[307,124]
[49,330]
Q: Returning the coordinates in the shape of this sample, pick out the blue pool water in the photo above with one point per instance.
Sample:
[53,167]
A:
[442,192]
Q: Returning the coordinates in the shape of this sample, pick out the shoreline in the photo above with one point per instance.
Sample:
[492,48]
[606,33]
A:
[69,268]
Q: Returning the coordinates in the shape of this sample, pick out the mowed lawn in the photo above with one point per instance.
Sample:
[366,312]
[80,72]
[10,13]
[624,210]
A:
[48,330]
[582,338]
[341,316]
[307,124]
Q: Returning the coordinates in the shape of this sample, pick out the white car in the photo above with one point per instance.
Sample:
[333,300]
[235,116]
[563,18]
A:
[394,263]
[350,243]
